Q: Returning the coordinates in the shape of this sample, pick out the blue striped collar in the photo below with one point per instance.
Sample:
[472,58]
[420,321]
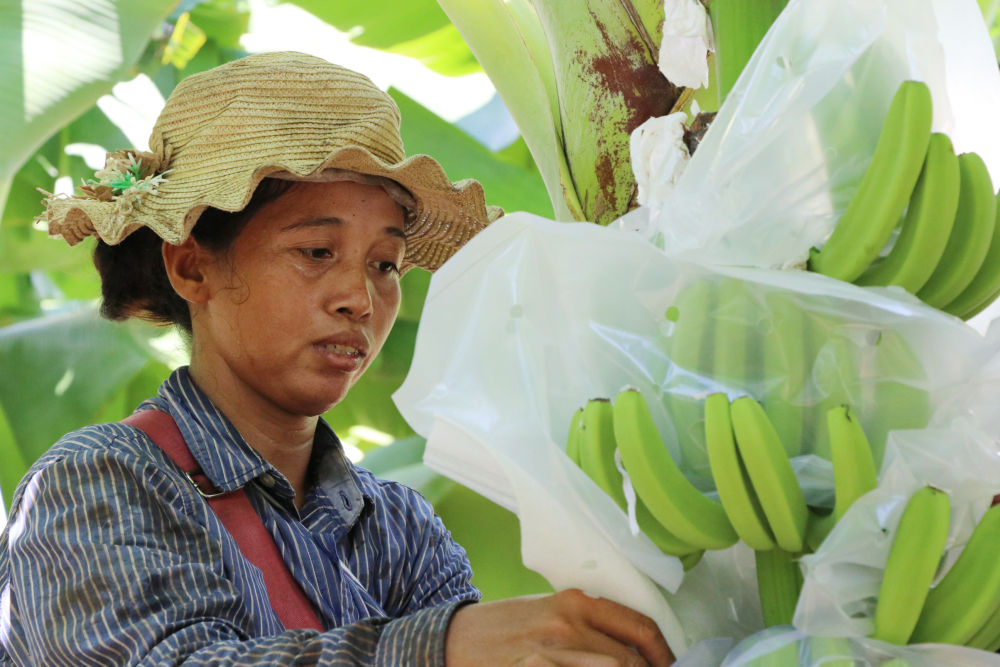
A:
[230,462]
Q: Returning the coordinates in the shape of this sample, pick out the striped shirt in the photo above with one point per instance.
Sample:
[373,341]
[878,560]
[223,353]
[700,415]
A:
[110,557]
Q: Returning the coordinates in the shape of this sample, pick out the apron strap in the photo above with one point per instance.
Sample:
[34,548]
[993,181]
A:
[287,599]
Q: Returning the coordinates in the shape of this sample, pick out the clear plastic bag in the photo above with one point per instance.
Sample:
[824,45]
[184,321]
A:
[776,169]
[494,389]
[533,317]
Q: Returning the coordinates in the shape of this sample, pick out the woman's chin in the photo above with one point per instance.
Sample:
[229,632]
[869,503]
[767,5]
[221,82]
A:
[316,402]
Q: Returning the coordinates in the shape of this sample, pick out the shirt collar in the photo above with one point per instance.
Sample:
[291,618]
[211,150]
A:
[230,462]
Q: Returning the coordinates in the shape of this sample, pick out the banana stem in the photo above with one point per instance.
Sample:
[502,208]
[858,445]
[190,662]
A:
[739,25]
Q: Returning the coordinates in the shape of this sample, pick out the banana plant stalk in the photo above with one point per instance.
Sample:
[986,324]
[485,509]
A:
[579,75]
[738,25]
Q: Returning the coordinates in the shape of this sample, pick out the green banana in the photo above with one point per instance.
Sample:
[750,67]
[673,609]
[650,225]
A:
[597,460]
[731,480]
[853,466]
[835,375]
[597,448]
[900,402]
[854,472]
[784,358]
[985,285]
[690,353]
[691,559]
[574,435]
[913,560]
[969,240]
[729,323]
[770,472]
[966,596]
[987,638]
[672,499]
[885,188]
[779,581]
[925,228]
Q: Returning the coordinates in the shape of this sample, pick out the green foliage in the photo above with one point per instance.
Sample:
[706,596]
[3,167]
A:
[414,28]
[71,55]
[489,533]
[515,187]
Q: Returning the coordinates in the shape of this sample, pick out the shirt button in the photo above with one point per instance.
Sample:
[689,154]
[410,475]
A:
[268,480]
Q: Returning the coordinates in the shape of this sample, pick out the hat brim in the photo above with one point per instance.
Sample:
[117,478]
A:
[446,215]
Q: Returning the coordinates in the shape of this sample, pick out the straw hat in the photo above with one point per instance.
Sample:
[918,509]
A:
[287,115]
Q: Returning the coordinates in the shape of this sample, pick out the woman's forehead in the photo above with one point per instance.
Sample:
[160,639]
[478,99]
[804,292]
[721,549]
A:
[312,205]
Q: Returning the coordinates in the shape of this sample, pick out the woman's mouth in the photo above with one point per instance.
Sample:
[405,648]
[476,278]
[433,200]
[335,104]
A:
[346,350]
[340,357]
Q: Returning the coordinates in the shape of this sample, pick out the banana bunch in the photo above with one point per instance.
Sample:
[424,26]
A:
[947,250]
[963,608]
[760,500]
[729,335]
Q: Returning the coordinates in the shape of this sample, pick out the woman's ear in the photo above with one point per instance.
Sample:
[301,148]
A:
[186,269]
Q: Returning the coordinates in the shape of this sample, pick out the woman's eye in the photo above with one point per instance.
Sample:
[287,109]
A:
[388,267]
[316,253]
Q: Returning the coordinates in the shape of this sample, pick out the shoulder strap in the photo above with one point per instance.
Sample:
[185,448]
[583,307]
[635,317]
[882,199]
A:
[238,516]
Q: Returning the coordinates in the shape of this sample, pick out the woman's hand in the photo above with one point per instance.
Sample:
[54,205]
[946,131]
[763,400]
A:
[569,628]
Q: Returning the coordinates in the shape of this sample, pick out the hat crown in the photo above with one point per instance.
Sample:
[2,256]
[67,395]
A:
[261,105]
[284,115]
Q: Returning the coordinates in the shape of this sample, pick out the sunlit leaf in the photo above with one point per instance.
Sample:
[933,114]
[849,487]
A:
[14,463]
[223,21]
[508,185]
[57,57]
[185,40]
[507,40]
[397,454]
[60,371]
[414,28]
[489,533]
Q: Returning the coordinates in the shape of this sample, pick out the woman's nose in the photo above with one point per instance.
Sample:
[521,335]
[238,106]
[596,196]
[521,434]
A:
[351,295]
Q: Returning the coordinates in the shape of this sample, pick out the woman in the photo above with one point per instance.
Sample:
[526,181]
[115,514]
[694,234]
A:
[271,220]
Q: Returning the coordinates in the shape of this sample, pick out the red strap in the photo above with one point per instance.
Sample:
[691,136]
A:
[238,516]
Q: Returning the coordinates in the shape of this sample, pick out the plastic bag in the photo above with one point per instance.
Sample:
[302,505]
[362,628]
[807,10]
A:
[552,314]
[493,390]
[775,170]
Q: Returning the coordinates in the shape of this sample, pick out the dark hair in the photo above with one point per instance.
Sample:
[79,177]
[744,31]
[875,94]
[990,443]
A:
[133,279]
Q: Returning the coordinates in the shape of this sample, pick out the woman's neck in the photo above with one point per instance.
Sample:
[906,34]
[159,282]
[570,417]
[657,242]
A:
[283,439]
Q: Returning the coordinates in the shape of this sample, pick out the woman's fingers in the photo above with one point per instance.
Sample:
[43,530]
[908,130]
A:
[631,628]
[568,628]
[572,658]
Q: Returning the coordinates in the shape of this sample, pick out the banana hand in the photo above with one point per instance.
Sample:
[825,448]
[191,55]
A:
[885,188]
[913,559]
[970,237]
[965,598]
[771,473]
[924,230]
[731,479]
[673,500]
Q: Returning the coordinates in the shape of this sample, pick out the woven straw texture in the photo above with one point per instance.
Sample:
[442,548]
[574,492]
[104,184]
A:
[223,130]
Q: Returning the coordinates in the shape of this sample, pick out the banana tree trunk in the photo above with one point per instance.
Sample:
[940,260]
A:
[604,53]
[579,75]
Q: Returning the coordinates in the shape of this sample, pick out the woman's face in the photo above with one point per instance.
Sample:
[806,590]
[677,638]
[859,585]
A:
[306,297]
